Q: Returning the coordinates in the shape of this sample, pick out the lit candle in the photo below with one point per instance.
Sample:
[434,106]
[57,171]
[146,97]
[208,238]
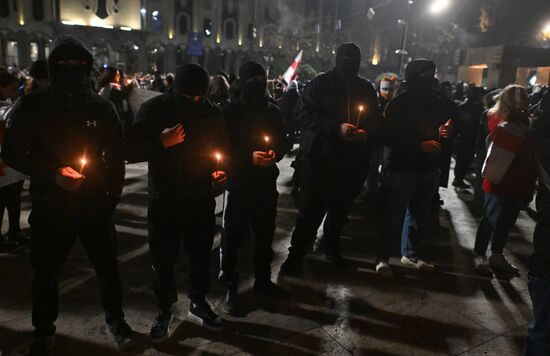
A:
[266,139]
[218,158]
[361,108]
[83,162]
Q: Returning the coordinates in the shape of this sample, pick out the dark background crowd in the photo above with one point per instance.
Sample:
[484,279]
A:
[391,139]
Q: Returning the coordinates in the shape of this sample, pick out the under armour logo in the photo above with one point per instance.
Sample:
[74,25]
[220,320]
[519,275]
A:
[91,123]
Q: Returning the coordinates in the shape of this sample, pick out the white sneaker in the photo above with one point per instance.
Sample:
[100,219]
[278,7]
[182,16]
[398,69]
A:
[500,263]
[418,264]
[384,269]
[481,264]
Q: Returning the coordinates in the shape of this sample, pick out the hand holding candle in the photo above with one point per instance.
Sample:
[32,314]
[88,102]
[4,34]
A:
[218,177]
[67,178]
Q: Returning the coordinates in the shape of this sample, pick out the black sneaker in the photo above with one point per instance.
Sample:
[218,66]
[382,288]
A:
[18,238]
[204,316]
[291,267]
[159,330]
[6,245]
[123,335]
[270,290]
[231,301]
[42,346]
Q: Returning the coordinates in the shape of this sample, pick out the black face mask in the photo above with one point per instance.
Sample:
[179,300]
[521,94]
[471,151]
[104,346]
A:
[254,92]
[71,79]
[348,67]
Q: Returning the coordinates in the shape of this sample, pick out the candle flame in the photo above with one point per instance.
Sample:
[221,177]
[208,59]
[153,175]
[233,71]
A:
[218,156]
[266,139]
[361,108]
[83,161]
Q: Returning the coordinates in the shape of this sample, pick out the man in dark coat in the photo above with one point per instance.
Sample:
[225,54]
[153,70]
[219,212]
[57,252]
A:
[466,133]
[68,140]
[416,121]
[340,122]
[181,132]
[538,337]
[258,140]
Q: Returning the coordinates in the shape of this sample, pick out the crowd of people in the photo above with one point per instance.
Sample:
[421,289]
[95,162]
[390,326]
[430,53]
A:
[72,133]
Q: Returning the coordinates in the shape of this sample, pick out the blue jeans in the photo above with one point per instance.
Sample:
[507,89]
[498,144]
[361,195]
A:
[408,200]
[500,214]
[538,336]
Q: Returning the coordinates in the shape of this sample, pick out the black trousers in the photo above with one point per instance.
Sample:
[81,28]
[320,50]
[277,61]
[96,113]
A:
[10,199]
[465,153]
[53,232]
[326,191]
[192,221]
[247,212]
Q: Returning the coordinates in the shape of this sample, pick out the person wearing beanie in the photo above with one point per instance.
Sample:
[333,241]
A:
[416,122]
[38,76]
[48,135]
[340,121]
[258,140]
[179,133]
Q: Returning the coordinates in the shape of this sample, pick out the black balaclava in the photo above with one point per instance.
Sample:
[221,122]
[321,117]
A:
[69,80]
[348,61]
[192,80]
[413,75]
[253,92]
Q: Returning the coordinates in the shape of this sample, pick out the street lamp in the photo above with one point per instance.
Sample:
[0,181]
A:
[546,32]
[438,6]
[403,50]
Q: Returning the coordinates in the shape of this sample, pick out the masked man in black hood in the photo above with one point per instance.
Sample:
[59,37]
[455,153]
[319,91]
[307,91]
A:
[258,139]
[181,132]
[416,121]
[341,124]
[68,140]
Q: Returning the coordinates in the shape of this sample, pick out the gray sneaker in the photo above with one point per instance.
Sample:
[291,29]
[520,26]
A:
[418,264]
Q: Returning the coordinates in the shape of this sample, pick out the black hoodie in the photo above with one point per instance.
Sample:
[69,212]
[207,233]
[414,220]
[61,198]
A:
[183,170]
[55,127]
[411,118]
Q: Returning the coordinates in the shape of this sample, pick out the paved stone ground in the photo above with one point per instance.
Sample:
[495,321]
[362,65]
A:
[332,312]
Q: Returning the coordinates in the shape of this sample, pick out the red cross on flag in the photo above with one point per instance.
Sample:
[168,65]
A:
[292,71]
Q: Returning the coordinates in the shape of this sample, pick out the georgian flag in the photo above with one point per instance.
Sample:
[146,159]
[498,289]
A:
[292,71]
[507,141]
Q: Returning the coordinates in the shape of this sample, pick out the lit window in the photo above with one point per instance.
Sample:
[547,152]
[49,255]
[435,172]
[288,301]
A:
[12,55]
[34,51]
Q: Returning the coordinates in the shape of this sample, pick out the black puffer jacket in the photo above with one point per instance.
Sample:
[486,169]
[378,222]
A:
[246,130]
[56,127]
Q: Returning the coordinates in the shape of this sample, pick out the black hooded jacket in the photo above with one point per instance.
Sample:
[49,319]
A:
[329,101]
[411,118]
[55,127]
[182,170]
[246,129]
